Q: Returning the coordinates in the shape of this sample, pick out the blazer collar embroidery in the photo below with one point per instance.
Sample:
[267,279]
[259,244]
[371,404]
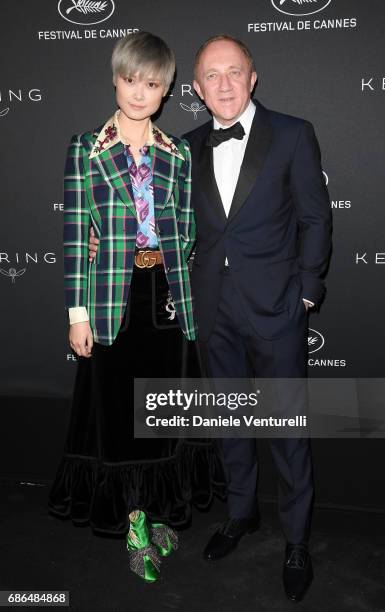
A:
[110,135]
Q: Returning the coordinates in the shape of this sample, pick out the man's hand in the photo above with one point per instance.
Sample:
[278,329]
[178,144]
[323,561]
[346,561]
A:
[81,338]
[92,245]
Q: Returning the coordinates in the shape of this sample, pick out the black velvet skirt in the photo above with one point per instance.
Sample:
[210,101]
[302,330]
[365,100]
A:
[106,472]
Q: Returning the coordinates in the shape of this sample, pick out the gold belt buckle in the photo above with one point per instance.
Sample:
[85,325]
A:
[145,259]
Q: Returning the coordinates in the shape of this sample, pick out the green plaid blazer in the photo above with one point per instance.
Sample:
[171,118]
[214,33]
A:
[97,192]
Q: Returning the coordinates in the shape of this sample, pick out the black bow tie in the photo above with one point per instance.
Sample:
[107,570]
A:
[216,137]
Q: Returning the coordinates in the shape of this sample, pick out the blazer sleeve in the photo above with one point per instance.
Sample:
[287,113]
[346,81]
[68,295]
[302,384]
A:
[312,203]
[185,212]
[76,227]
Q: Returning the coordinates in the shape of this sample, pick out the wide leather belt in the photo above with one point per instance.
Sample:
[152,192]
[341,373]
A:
[147,259]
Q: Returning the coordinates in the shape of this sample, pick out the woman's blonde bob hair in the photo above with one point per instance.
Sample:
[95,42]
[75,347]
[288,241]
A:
[146,54]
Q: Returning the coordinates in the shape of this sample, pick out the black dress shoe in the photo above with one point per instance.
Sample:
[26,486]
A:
[297,571]
[227,537]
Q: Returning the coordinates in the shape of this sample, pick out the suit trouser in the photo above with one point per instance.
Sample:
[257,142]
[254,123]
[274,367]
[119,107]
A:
[234,350]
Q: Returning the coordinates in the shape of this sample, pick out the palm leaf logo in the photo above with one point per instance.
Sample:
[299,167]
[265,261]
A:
[194,108]
[12,273]
[87,6]
[298,2]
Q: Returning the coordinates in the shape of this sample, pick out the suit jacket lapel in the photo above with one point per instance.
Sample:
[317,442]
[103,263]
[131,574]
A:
[207,180]
[258,145]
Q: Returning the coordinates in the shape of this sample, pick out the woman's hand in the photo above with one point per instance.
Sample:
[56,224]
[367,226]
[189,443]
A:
[81,338]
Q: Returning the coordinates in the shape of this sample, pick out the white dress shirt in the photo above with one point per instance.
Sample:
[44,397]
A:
[228,157]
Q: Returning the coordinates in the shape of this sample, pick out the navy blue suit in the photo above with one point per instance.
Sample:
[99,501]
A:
[250,315]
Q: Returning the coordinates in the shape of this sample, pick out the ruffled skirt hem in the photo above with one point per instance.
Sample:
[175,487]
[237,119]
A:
[102,495]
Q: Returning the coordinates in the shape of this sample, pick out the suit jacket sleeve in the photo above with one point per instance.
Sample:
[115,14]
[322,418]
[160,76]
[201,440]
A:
[185,213]
[76,227]
[312,203]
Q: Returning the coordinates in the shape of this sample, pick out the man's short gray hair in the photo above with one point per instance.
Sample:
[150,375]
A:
[146,54]
[245,50]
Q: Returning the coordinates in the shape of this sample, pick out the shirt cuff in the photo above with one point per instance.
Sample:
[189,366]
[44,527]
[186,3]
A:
[311,304]
[78,314]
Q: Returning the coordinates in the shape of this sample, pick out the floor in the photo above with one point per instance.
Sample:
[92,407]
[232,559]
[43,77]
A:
[40,552]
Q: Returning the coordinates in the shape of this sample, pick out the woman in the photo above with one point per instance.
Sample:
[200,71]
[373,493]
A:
[129,313]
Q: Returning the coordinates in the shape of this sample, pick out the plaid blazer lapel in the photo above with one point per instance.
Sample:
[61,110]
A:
[112,165]
[108,155]
[163,183]
[167,162]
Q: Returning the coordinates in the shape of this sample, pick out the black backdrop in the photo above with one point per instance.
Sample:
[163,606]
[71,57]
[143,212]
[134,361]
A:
[325,66]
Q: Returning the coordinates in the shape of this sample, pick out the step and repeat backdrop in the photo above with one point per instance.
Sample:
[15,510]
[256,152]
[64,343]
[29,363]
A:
[317,59]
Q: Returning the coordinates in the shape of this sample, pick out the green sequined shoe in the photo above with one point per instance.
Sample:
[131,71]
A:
[164,538]
[144,556]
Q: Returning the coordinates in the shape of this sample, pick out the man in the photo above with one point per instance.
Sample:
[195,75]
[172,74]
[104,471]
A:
[263,243]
